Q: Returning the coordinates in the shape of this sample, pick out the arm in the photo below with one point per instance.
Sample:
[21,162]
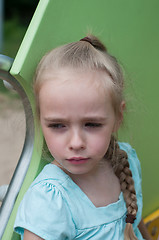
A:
[144,231]
[31,236]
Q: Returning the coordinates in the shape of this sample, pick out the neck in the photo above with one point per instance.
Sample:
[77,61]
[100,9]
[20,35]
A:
[96,176]
[97,186]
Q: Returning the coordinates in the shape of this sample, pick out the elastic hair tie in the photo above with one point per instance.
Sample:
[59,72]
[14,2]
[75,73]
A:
[86,39]
[130,218]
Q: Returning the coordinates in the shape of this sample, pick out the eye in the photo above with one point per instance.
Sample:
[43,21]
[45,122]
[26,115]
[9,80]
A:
[56,125]
[93,125]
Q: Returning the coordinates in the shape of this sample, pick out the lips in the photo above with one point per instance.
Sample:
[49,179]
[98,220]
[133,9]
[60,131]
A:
[77,160]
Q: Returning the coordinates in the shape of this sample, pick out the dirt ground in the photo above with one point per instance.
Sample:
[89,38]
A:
[12,133]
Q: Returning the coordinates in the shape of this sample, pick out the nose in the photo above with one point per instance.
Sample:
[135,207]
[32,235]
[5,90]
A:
[77,140]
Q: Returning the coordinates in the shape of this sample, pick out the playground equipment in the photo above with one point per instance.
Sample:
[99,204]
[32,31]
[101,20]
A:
[24,161]
[130,30]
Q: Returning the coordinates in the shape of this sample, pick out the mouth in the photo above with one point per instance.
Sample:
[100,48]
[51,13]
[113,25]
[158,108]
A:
[77,160]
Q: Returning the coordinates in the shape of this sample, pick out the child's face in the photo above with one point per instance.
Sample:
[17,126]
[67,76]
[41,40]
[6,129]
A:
[77,119]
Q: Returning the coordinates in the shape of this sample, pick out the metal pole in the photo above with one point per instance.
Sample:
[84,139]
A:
[1,25]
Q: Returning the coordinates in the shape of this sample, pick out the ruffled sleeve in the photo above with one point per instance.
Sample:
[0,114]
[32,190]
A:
[136,173]
[45,212]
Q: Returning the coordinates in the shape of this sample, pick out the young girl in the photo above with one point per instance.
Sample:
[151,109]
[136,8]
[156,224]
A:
[92,188]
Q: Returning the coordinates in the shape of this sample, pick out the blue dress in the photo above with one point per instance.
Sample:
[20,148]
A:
[55,208]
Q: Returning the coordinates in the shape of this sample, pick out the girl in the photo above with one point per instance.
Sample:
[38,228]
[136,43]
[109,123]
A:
[92,188]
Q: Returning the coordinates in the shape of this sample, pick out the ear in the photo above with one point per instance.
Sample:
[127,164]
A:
[120,116]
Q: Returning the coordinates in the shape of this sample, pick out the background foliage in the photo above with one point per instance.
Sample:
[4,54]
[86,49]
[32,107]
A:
[23,9]
[17,16]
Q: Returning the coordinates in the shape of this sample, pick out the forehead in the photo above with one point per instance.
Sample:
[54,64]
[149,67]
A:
[66,77]
[78,92]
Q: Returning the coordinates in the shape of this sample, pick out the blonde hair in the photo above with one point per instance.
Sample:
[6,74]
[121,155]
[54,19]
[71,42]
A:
[86,56]
[90,54]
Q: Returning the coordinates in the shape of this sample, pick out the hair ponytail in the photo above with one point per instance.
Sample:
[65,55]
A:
[94,41]
[129,232]
[120,164]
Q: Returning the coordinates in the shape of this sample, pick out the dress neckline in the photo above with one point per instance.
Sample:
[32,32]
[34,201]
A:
[79,201]
[81,192]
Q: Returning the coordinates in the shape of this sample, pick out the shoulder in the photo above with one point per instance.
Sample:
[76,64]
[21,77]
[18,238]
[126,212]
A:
[51,173]
[45,205]
[48,185]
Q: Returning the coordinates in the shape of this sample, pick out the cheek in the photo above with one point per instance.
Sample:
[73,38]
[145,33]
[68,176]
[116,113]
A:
[54,144]
[100,145]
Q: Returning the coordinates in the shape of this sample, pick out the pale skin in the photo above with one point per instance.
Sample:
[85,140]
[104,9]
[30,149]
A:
[77,120]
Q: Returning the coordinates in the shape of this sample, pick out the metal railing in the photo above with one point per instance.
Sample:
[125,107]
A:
[24,161]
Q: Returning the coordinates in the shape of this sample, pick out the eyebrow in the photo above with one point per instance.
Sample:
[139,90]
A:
[50,119]
[91,119]
[95,119]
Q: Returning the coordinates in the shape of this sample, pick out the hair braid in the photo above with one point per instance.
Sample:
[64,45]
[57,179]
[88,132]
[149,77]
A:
[120,164]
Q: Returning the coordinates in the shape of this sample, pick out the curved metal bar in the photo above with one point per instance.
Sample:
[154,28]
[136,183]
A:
[24,161]
[5,63]
[3,191]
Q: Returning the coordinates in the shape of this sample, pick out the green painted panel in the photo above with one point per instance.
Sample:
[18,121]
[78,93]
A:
[130,31]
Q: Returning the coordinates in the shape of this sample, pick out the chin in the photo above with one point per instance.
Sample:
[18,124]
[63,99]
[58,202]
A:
[77,171]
